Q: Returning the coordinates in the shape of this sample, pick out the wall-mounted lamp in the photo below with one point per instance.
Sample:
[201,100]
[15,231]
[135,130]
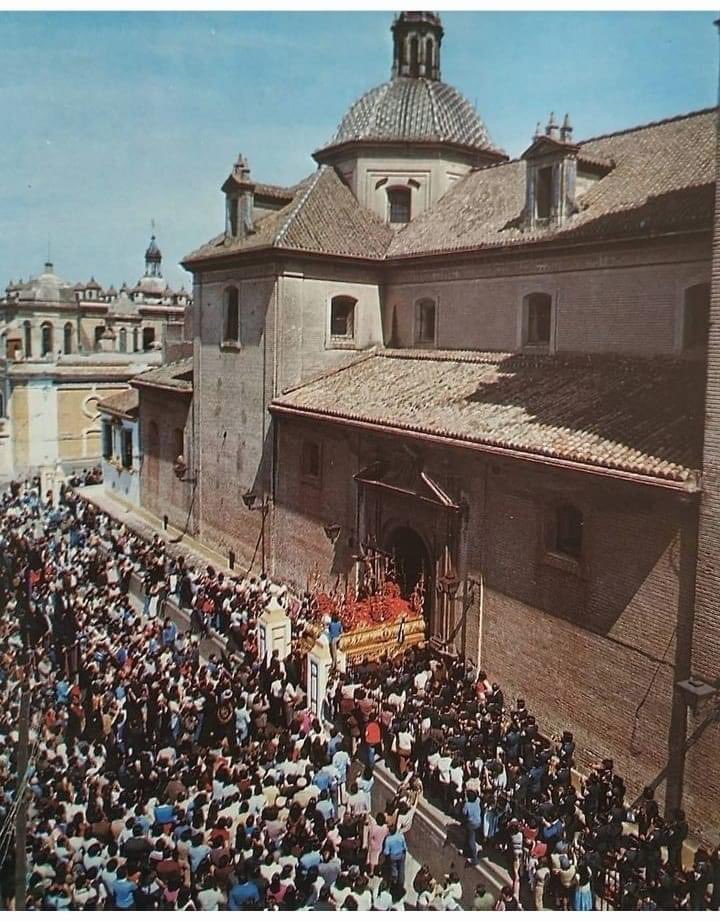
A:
[180,470]
[332,532]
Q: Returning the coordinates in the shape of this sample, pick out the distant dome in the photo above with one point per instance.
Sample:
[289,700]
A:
[407,109]
[152,253]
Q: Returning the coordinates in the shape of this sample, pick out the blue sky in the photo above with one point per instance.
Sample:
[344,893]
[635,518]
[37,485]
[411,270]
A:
[113,119]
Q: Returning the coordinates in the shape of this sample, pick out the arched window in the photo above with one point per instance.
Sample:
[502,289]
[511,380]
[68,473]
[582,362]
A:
[399,205]
[122,340]
[46,337]
[414,56]
[342,317]
[428,56]
[696,317]
[537,320]
[231,320]
[567,533]
[27,338]
[99,330]
[135,339]
[148,338]
[425,322]
[67,338]
[2,406]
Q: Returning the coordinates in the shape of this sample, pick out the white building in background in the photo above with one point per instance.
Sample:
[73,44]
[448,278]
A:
[66,347]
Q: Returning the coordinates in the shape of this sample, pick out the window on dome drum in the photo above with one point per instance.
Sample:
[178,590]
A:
[148,338]
[107,440]
[231,321]
[99,330]
[311,460]
[122,340]
[2,406]
[696,317]
[46,332]
[342,317]
[135,339]
[543,192]
[67,338]
[425,322]
[27,338]
[126,448]
[399,205]
[537,320]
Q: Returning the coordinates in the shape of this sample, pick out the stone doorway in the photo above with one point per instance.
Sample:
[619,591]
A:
[412,562]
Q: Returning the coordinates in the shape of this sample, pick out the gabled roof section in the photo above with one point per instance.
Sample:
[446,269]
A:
[544,145]
[176,376]
[657,178]
[607,414]
[323,217]
[124,404]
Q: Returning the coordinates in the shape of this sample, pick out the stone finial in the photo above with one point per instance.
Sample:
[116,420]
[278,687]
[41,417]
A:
[538,132]
[566,130]
[551,129]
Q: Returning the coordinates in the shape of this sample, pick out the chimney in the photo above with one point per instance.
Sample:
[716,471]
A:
[240,200]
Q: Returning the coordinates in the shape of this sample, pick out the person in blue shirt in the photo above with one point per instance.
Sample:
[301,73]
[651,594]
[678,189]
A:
[472,816]
[244,892]
[335,629]
[169,632]
[124,890]
[395,849]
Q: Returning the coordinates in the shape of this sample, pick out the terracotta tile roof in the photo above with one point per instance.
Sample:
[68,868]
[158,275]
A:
[124,403]
[642,416]
[662,180]
[323,217]
[177,375]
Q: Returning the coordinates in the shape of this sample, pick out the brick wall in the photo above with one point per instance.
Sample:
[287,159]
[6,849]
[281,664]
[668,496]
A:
[160,491]
[594,651]
[701,773]
[628,301]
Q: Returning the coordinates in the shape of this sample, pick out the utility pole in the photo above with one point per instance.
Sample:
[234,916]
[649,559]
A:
[21,815]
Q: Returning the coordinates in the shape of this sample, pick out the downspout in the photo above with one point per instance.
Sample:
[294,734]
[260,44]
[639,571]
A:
[483,532]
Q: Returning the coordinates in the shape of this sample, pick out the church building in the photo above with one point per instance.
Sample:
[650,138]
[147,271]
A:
[493,370]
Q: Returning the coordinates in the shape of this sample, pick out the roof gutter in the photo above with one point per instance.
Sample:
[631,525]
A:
[686,489]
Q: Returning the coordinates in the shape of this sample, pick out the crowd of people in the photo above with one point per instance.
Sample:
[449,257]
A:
[163,774]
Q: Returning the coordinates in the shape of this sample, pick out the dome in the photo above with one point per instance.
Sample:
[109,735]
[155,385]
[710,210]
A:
[413,109]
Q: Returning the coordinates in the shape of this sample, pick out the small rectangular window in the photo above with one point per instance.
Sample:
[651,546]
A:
[127,448]
[543,192]
[107,440]
[342,317]
[538,319]
[425,323]
[568,531]
[311,460]
[399,205]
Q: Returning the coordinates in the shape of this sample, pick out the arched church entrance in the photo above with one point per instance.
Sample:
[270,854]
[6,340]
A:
[413,566]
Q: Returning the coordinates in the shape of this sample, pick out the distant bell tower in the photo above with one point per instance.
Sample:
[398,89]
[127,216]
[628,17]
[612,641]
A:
[417,38]
[153,260]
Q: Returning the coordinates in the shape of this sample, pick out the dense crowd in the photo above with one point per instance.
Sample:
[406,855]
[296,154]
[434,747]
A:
[164,778]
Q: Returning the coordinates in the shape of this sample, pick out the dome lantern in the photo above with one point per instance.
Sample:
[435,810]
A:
[153,259]
[416,45]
